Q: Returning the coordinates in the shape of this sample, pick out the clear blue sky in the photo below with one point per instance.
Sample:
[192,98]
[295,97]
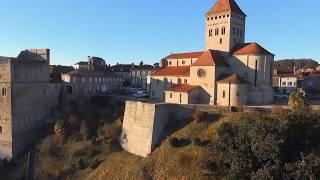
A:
[132,30]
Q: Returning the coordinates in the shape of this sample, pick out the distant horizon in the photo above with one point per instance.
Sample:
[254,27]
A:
[129,32]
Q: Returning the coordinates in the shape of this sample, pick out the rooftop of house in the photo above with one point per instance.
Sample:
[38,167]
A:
[82,63]
[185,55]
[250,49]
[211,58]
[173,71]
[89,73]
[182,88]
[226,5]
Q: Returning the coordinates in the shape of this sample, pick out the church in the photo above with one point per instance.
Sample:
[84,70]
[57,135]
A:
[229,72]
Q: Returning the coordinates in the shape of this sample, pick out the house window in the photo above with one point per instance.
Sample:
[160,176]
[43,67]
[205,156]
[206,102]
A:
[170,62]
[179,81]
[185,81]
[180,98]
[170,95]
[284,83]
[223,94]
[237,94]
[290,84]
[0,129]
[183,62]
[220,40]
[4,92]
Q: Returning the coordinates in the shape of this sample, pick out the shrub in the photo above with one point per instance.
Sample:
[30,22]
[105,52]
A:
[199,116]
[81,165]
[175,142]
[95,164]
[199,142]
[278,112]
[298,100]
[85,130]
[59,127]
[259,147]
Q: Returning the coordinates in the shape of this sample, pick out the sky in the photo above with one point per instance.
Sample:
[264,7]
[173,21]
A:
[127,31]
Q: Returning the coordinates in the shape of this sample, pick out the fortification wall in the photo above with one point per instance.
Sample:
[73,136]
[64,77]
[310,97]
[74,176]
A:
[144,124]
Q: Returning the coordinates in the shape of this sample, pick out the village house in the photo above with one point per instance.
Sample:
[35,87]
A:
[229,72]
[285,82]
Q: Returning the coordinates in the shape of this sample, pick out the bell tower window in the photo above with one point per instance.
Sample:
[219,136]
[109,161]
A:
[223,31]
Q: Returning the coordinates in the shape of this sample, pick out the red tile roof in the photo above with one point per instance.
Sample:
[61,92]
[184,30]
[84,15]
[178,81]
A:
[226,5]
[233,79]
[250,49]
[211,58]
[182,88]
[185,55]
[173,71]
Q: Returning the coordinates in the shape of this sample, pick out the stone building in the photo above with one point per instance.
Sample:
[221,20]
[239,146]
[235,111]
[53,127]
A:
[228,73]
[26,99]
[139,74]
[86,83]
[28,95]
[285,83]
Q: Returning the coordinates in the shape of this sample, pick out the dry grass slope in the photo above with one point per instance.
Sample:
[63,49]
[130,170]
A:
[167,161]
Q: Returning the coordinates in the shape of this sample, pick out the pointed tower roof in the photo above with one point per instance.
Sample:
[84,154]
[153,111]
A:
[226,5]
[211,58]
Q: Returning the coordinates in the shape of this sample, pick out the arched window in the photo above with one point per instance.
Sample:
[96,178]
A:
[165,80]
[223,30]
[179,81]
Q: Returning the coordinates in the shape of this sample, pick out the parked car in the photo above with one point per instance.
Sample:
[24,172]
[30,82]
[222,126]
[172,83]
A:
[141,94]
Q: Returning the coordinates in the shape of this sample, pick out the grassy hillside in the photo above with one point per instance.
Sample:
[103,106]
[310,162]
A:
[181,155]
[168,161]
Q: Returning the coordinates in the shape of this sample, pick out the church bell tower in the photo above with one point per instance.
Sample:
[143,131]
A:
[225,26]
